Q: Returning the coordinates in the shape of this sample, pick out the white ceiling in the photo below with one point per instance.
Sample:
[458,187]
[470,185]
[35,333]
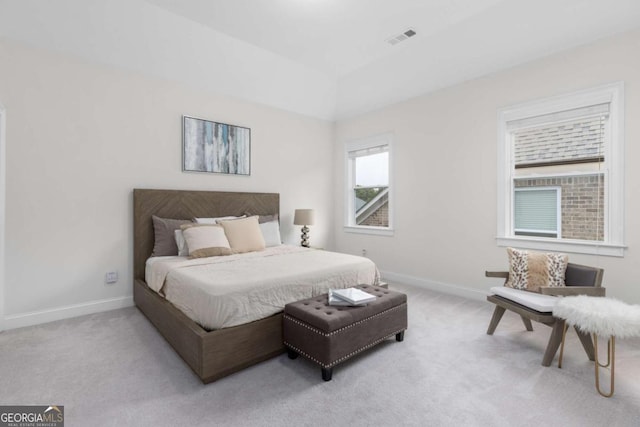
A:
[324,58]
[333,36]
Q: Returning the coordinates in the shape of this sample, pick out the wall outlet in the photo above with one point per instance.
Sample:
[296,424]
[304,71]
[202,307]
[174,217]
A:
[364,252]
[111,277]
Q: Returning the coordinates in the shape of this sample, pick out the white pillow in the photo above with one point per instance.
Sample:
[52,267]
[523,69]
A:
[204,240]
[271,233]
[183,250]
[215,220]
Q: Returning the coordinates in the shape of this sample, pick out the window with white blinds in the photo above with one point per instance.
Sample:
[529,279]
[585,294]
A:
[561,173]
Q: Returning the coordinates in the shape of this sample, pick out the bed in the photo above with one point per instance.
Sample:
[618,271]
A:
[212,354]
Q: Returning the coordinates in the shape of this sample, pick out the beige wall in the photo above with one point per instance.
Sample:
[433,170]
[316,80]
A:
[81,136]
[445,171]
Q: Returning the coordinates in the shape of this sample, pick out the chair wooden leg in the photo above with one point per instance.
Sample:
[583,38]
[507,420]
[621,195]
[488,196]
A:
[554,342]
[587,344]
[527,323]
[564,336]
[495,319]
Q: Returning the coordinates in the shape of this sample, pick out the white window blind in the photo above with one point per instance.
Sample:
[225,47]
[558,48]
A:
[560,116]
[536,211]
[368,151]
[568,141]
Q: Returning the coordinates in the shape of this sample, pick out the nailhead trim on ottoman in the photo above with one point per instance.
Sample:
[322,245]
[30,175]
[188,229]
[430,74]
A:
[328,335]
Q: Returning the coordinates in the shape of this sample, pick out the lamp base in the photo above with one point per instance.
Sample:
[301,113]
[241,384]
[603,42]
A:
[305,237]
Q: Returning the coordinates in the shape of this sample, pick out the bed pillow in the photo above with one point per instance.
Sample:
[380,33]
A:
[530,270]
[205,240]
[244,234]
[183,250]
[165,241]
[215,220]
[271,233]
[264,218]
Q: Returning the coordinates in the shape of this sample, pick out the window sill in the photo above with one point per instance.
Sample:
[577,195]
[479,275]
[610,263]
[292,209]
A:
[573,246]
[377,231]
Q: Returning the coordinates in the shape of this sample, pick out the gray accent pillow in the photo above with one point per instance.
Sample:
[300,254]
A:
[165,240]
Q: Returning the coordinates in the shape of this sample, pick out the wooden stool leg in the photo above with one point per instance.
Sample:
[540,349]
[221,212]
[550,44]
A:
[564,335]
[611,353]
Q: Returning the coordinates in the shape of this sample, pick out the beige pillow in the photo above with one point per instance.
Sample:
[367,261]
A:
[530,270]
[205,240]
[244,234]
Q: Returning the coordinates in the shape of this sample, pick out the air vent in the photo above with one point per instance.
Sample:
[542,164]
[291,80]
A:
[409,32]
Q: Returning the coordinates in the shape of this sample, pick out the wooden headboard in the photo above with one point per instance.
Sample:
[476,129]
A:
[184,204]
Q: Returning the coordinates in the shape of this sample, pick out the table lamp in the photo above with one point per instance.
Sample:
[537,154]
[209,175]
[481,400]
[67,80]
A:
[304,217]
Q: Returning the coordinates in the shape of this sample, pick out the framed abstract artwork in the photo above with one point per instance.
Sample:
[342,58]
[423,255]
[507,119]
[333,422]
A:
[215,147]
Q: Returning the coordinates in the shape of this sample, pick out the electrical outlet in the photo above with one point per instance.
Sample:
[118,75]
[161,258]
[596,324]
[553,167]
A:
[111,277]
[364,252]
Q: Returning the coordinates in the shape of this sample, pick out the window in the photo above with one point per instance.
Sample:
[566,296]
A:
[561,173]
[368,192]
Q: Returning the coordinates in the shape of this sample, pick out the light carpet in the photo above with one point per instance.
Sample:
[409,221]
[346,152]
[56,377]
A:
[115,369]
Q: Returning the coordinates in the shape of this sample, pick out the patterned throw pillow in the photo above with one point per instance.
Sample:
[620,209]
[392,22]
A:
[530,270]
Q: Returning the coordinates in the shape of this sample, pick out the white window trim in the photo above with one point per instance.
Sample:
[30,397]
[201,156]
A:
[359,144]
[614,158]
[558,191]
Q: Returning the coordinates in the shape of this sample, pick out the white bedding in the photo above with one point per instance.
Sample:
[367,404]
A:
[220,292]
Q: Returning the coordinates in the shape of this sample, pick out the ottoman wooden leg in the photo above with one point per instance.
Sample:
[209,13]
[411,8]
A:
[400,336]
[292,354]
[326,373]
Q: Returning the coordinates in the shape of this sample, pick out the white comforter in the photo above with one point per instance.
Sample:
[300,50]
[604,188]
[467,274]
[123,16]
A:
[226,291]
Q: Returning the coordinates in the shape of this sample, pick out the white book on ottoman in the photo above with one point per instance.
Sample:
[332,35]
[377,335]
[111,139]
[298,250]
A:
[354,296]
[336,301]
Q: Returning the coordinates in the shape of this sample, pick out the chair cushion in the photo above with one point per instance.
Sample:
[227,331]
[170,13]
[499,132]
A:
[532,300]
[530,270]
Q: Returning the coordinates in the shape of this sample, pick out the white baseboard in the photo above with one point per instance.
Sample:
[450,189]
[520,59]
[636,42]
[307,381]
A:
[45,316]
[461,291]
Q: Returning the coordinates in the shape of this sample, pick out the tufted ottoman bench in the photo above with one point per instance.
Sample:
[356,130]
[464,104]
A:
[328,335]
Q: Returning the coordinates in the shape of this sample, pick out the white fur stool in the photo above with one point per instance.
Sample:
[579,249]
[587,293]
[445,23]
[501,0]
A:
[606,317]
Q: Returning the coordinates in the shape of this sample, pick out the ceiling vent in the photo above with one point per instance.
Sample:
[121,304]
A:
[409,32]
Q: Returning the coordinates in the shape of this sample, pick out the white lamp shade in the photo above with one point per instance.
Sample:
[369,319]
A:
[303,217]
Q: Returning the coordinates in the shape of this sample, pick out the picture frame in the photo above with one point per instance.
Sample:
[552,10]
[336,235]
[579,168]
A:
[214,147]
